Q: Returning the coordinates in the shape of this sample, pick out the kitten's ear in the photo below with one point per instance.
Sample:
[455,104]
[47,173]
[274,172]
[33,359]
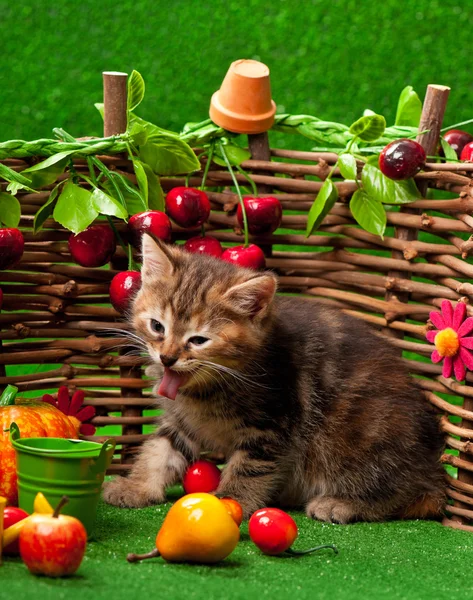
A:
[157,259]
[253,297]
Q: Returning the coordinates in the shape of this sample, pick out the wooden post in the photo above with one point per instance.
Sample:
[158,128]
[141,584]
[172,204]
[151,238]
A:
[258,144]
[115,122]
[114,103]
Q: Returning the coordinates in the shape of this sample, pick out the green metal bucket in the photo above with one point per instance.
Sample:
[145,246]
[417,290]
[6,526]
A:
[60,467]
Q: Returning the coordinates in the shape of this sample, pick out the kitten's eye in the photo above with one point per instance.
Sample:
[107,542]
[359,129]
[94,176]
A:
[197,340]
[156,326]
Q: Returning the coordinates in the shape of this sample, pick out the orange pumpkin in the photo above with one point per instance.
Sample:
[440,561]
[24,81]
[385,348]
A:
[34,419]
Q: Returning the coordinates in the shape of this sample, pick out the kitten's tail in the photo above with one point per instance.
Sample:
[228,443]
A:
[428,506]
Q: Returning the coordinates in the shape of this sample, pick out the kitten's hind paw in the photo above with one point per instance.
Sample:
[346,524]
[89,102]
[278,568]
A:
[332,510]
[128,493]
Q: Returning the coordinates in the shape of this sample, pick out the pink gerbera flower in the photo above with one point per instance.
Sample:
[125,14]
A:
[73,408]
[451,345]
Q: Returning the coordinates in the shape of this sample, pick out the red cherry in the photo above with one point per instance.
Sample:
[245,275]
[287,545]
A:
[187,206]
[123,288]
[457,140]
[11,247]
[152,221]
[1,298]
[467,152]
[272,530]
[93,247]
[204,244]
[12,515]
[202,476]
[401,159]
[264,214]
[251,257]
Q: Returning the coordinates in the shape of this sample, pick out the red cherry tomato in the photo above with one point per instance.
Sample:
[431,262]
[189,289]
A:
[12,515]
[202,476]
[272,530]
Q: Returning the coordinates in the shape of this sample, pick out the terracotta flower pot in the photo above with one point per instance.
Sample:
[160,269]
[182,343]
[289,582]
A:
[243,103]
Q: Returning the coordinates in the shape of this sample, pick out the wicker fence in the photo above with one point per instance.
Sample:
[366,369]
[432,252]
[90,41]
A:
[56,313]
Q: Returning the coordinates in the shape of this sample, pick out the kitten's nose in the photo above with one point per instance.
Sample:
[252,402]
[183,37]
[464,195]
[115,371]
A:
[168,361]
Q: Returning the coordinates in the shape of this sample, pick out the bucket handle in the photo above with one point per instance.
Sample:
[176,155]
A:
[14,433]
[105,456]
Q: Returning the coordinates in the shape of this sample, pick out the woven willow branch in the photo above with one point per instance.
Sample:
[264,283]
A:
[47,147]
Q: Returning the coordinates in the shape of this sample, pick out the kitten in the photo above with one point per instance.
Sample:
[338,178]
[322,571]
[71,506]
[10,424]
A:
[310,407]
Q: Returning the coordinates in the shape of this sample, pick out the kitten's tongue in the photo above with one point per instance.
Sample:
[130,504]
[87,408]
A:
[171,383]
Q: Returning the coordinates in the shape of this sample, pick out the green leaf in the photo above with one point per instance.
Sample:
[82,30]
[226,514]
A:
[322,205]
[141,179]
[138,134]
[347,166]
[135,90]
[46,210]
[47,171]
[133,199]
[10,210]
[100,108]
[369,128]
[17,178]
[381,188]
[106,205]
[449,152]
[155,191]
[409,108]
[164,152]
[368,212]
[74,209]
[235,154]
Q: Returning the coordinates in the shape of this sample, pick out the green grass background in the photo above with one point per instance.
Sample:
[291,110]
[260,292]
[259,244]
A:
[329,59]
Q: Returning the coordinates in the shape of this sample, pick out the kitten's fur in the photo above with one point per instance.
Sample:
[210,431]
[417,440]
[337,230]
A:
[310,406]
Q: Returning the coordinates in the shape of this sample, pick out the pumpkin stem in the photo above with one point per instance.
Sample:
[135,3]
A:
[8,396]
[136,557]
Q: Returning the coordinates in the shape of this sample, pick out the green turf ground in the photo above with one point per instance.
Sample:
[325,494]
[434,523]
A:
[410,560]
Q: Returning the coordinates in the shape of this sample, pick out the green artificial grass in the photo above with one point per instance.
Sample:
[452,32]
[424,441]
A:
[328,59]
[398,560]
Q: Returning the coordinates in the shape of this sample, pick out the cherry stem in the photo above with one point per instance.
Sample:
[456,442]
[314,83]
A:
[238,191]
[131,262]
[254,189]
[131,558]
[293,552]
[62,502]
[116,234]
[207,165]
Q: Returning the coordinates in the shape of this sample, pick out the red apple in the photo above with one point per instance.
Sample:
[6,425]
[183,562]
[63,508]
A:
[202,476]
[272,530]
[11,247]
[93,247]
[251,257]
[263,214]
[188,207]
[53,545]
[123,288]
[154,222]
[204,244]
[12,515]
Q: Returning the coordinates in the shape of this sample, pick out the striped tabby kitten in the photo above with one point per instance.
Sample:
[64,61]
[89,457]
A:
[310,407]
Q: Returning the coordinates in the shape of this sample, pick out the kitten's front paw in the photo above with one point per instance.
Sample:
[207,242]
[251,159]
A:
[128,493]
[331,510]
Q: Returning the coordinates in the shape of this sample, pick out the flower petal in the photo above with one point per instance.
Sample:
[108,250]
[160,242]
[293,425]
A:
[437,320]
[467,342]
[447,312]
[466,327]
[76,402]
[447,367]
[430,335]
[435,357]
[63,399]
[85,413]
[467,358]
[87,429]
[459,368]
[49,399]
[458,315]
